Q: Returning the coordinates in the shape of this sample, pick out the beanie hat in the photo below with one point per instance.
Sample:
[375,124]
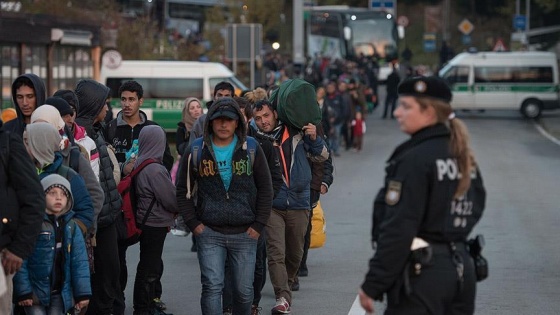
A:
[60,104]
[70,97]
[54,180]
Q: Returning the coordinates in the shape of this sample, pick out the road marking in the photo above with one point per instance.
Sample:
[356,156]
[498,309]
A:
[546,134]
[356,308]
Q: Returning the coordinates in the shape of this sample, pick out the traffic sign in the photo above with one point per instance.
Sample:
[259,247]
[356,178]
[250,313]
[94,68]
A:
[465,27]
[402,21]
[429,42]
[383,5]
[499,46]
[519,22]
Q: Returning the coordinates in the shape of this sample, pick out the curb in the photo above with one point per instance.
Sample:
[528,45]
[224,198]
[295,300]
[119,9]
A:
[554,137]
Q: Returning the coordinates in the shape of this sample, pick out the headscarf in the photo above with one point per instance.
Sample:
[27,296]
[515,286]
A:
[189,120]
[43,140]
[51,115]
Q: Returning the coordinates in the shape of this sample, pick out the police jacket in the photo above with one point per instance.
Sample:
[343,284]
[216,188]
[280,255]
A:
[418,201]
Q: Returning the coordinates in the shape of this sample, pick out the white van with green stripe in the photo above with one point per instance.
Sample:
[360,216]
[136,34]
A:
[167,84]
[525,81]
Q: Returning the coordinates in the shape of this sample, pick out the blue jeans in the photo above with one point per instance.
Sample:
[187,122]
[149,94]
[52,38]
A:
[241,252]
[335,139]
[56,307]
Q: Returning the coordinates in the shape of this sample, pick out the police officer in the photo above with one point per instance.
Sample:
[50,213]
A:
[432,198]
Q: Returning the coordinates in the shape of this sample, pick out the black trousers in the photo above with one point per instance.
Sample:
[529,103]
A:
[390,104]
[150,268]
[436,290]
[105,284]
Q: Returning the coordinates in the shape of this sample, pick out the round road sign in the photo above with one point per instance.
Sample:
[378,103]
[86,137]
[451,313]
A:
[402,21]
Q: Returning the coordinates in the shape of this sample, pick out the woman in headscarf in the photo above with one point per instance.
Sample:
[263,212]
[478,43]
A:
[191,111]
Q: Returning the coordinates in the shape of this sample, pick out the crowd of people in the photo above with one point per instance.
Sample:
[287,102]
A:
[245,184]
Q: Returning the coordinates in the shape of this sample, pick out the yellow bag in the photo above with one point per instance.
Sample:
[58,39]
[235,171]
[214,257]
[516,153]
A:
[318,228]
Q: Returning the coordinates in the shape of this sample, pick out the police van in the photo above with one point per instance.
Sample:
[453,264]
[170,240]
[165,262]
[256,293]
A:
[524,81]
[166,85]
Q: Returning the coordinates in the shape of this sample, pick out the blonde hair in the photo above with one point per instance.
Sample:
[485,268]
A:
[459,143]
[256,95]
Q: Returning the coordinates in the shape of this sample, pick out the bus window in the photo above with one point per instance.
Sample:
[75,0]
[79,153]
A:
[457,74]
[176,88]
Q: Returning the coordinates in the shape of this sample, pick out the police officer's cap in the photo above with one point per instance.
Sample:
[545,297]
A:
[432,86]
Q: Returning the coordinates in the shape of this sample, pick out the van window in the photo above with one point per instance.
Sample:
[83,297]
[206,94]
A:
[161,88]
[237,85]
[513,75]
[457,74]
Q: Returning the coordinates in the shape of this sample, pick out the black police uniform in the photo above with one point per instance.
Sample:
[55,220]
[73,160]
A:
[418,201]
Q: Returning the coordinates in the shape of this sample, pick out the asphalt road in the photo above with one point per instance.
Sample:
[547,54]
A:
[521,172]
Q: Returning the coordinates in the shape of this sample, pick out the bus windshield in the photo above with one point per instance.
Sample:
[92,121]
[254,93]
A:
[373,36]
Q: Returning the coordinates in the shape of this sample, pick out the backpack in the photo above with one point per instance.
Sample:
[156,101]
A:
[128,208]
[196,155]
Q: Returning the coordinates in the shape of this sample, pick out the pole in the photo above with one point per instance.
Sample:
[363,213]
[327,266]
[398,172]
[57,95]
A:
[234,45]
[528,12]
[517,7]
[298,33]
[252,54]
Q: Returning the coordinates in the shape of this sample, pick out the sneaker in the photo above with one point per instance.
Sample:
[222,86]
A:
[159,305]
[178,232]
[303,272]
[282,307]
[256,310]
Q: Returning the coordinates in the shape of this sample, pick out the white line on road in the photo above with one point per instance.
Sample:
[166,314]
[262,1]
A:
[546,134]
[356,308]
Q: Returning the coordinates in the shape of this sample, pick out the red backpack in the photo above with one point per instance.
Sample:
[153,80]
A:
[128,208]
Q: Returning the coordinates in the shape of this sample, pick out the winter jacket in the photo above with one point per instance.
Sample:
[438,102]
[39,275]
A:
[34,278]
[17,125]
[181,137]
[91,181]
[295,193]
[154,181]
[92,95]
[267,146]
[247,202]
[120,135]
[23,200]
[81,138]
[83,205]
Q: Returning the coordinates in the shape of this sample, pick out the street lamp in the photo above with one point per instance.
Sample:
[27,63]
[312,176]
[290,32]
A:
[275,45]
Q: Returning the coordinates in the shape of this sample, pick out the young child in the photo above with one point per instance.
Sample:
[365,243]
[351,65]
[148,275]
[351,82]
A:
[56,277]
[358,129]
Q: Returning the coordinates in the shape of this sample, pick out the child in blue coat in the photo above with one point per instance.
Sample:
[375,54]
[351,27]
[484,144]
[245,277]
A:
[56,277]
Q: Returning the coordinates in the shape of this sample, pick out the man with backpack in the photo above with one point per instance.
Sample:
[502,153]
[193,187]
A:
[22,211]
[224,194]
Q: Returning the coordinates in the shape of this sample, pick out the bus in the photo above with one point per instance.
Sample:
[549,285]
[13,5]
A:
[166,84]
[527,81]
[187,17]
[348,33]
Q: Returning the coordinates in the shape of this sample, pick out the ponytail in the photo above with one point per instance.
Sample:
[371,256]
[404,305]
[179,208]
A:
[459,145]
[459,142]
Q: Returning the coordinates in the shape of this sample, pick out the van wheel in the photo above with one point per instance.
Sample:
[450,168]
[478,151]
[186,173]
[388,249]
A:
[531,108]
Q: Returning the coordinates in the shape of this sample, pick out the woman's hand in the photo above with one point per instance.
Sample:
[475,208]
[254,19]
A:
[27,302]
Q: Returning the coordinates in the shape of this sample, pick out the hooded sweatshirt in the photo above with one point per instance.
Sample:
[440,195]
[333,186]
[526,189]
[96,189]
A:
[18,125]
[154,180]
[91,97]
[59,261]
[43,142]
[248,200]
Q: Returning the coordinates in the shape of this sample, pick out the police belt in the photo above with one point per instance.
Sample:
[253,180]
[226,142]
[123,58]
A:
[423,257]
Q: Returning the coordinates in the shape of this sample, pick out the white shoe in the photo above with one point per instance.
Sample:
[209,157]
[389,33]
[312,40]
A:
[177,232]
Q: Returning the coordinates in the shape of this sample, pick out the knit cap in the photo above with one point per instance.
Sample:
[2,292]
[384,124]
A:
[54,180]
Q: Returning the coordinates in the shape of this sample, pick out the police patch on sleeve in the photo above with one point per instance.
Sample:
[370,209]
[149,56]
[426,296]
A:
[393,194]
